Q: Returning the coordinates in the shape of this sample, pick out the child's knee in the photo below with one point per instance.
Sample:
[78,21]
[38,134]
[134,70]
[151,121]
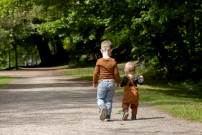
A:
[133,106]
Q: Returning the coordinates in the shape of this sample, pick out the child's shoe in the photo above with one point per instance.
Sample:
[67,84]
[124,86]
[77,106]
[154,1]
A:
[125,116]
[133,117]
[107,118]
[103,113]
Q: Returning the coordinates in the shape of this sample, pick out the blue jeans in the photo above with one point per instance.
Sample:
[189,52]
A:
[105,93]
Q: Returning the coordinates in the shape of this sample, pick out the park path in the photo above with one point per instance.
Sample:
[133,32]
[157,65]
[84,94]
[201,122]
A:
[45,102]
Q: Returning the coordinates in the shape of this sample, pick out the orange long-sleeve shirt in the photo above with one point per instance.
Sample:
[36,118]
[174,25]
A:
[106,69]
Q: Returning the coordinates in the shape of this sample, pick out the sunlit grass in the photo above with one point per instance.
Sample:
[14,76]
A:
[4,81]
[81,73]
[182,100]
[187,108]
[86,73]
[176,101]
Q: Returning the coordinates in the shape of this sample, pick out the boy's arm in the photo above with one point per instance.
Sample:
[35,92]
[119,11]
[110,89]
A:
[124,81]
[96,75]
[116,75]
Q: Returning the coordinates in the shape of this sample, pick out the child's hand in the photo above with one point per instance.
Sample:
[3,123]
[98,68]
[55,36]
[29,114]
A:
[140,79]
[94,85]
[130,75]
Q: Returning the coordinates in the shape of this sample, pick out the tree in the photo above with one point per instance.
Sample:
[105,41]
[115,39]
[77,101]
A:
[168,33]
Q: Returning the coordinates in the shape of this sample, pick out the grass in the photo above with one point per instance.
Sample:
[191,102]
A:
[179,102]
[180,99]
[4,81]
[80,73]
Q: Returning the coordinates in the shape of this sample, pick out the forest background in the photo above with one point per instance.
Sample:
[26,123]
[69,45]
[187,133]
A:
[164,36]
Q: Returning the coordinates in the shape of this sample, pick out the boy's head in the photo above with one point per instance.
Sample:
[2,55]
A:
[106,44]
[129,68]
[106,48]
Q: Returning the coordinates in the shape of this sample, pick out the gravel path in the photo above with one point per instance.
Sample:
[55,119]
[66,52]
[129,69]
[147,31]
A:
[44,102]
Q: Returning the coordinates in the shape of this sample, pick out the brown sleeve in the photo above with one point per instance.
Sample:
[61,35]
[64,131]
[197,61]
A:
[116,74]
[96,74]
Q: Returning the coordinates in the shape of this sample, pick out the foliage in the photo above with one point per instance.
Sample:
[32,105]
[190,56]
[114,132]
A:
[66,30]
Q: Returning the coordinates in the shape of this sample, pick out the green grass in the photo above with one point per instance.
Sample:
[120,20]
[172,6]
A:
[4,81]
[86,73]
[178,101]
[182,100]
[81,73]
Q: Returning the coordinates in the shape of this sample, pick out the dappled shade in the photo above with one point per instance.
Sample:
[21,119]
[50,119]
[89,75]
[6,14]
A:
[48,33]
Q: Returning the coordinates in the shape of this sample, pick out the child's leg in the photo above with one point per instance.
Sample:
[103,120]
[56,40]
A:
[101,94]
[109,98]
[125,107]
[133,111]
[134,105]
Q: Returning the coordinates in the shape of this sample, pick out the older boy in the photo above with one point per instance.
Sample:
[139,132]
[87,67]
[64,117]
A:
[105,76]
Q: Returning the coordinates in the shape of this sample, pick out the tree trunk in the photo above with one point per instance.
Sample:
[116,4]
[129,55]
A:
[9,59]
[61,56]
[14,44]
[44,50]
[160,50]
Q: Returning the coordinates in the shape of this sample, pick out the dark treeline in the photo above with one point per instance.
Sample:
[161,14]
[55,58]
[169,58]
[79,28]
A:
[166,34]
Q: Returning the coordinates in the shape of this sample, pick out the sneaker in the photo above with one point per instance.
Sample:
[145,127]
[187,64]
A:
[125,116]
[103,113]
[133,117]
[107,118]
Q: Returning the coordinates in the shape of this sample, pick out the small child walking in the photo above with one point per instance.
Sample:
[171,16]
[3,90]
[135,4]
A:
[131,95]
[105,76]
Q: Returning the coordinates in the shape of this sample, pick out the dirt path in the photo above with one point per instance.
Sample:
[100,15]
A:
[47,103]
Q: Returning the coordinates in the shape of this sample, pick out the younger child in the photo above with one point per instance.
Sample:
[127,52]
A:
[131,96]
[104,78]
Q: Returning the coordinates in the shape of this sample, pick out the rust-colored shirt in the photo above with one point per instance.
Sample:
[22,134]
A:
[106,69]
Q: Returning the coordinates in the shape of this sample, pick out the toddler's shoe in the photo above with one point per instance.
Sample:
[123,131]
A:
[125,116]
[133,117]
[103,113]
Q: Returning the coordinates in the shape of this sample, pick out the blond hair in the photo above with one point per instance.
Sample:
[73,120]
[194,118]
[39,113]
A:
[106,45]
[129,68]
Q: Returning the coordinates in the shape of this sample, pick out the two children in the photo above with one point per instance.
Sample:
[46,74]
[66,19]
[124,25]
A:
[106,75]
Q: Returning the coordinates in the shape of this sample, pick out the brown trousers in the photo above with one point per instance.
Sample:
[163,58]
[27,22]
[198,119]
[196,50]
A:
[130,99]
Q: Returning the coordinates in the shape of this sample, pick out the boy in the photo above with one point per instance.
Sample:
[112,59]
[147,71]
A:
[104,78]
[131,96]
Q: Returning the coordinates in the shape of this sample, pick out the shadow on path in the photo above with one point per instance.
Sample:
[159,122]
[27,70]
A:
[53,104]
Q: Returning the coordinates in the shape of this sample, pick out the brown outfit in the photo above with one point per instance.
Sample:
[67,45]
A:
[130,97]
[106,69]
